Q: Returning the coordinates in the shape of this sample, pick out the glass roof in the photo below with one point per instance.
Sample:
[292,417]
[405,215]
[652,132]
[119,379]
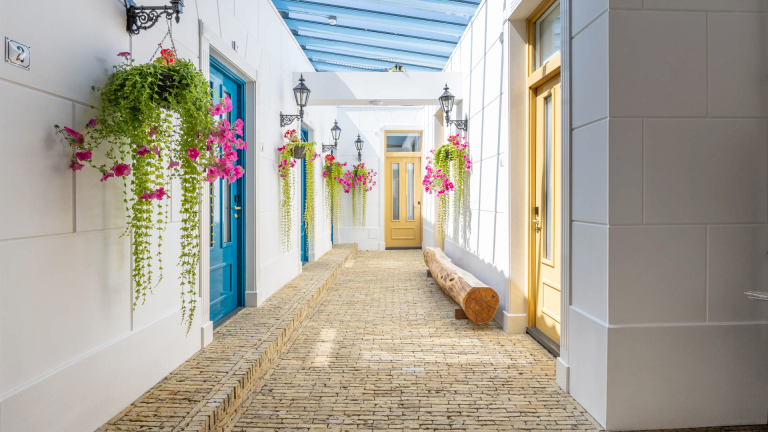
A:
[374,35]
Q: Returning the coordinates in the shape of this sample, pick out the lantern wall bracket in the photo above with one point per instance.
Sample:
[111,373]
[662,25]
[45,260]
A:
[140,18]
[460,124]
[286,119]
[329,147]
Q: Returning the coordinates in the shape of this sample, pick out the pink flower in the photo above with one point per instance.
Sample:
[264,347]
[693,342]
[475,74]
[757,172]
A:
[83,155]
[280,149]
[173,164]
[147,196]
[106,175]
[74,134]
[152,131]
[76,166]
[155,150]
[159,193]
[143,151]
[124,54]
[193,153]
[239,127]
[216,110]
[121,170]
[227,104]
[91,124]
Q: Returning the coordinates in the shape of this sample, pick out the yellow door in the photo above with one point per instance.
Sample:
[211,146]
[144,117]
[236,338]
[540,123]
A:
[402,218]
[546,211]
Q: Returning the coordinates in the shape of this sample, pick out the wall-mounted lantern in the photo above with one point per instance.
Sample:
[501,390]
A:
[144,17]
[446,102]
[336,132]
[359,147]
[301,94]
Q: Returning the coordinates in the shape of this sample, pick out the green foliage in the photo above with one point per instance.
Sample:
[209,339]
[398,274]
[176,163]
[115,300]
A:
[333,171]
[359,181]
[165,107]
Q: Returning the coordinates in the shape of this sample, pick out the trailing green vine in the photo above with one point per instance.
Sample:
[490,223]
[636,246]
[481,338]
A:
[448,171]
[157,124]
[358,181]
[296,148]
[332,172]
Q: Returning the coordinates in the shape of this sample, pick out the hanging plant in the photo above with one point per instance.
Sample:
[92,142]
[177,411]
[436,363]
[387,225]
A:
[358,181]
[157,124]
[448,171]
[332,172]
[295,148]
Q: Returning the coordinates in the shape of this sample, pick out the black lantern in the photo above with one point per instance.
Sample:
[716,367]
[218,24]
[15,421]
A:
[144,17]
[301,94]
[336,132]
[446,102]
[359,147]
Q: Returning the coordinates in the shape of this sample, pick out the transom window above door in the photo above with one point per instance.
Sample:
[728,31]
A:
[403,142]
[547,35]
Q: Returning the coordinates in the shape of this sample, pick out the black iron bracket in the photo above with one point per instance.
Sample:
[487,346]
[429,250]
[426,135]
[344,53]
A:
[460,124]
[145,17]
[359,156]
[329,147]
[286,119]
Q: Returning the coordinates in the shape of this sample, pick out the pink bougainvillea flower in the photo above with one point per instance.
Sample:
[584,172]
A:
[173,164]
[152,131]
[193,153]
[121,170]
[124,54]
[106,175]
[155,150]
[227,104]
[281,148]
[239,127]
[143,151]
[84,155]
[73,133]
[147,196]
[91,124]
[159,193]
[76,166]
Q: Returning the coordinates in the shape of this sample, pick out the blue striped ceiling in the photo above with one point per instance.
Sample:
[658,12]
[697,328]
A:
[373,35]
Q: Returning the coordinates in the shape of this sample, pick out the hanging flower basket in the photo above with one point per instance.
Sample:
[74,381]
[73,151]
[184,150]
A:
[159,124]
[299,152]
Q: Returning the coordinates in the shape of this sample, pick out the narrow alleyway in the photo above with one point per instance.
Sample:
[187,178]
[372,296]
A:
[383,351]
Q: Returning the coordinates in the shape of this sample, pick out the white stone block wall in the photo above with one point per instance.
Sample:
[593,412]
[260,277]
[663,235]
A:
[669,212]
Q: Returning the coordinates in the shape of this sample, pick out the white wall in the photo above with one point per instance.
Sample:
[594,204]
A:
[370,123]
[73,352]
[484,251]
[669,210]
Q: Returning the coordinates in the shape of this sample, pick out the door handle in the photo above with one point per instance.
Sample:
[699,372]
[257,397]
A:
[237,208]
[538,224]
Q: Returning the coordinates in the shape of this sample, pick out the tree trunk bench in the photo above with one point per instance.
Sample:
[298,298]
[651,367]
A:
[478,300]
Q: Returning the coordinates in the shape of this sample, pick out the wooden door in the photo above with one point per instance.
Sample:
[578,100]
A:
[402,218]
[227,211]
[546,211]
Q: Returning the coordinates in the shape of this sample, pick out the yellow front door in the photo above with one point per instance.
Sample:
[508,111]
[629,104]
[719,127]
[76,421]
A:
[403,201]
[546,200]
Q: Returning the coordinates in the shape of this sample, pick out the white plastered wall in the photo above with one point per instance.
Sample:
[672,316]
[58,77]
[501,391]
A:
[74,353]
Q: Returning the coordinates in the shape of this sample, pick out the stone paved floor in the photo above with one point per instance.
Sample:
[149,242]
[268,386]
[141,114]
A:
[383,352]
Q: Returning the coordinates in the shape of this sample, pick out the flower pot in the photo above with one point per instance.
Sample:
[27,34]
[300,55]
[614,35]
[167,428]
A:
[329,169]
[165,86]
[299,152]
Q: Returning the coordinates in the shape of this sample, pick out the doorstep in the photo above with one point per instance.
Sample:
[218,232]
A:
[205,391]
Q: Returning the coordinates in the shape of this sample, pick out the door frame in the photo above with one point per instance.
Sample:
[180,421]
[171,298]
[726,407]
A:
[536,78]
[386,177]
[213,46]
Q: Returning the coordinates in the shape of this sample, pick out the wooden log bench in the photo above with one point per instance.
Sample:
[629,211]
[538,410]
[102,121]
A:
[478,301]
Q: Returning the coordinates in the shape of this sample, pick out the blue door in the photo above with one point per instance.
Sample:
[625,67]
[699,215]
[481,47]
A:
[227,210]
[304,238]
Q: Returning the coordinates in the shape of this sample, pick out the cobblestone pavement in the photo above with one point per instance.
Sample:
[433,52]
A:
[383,351]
